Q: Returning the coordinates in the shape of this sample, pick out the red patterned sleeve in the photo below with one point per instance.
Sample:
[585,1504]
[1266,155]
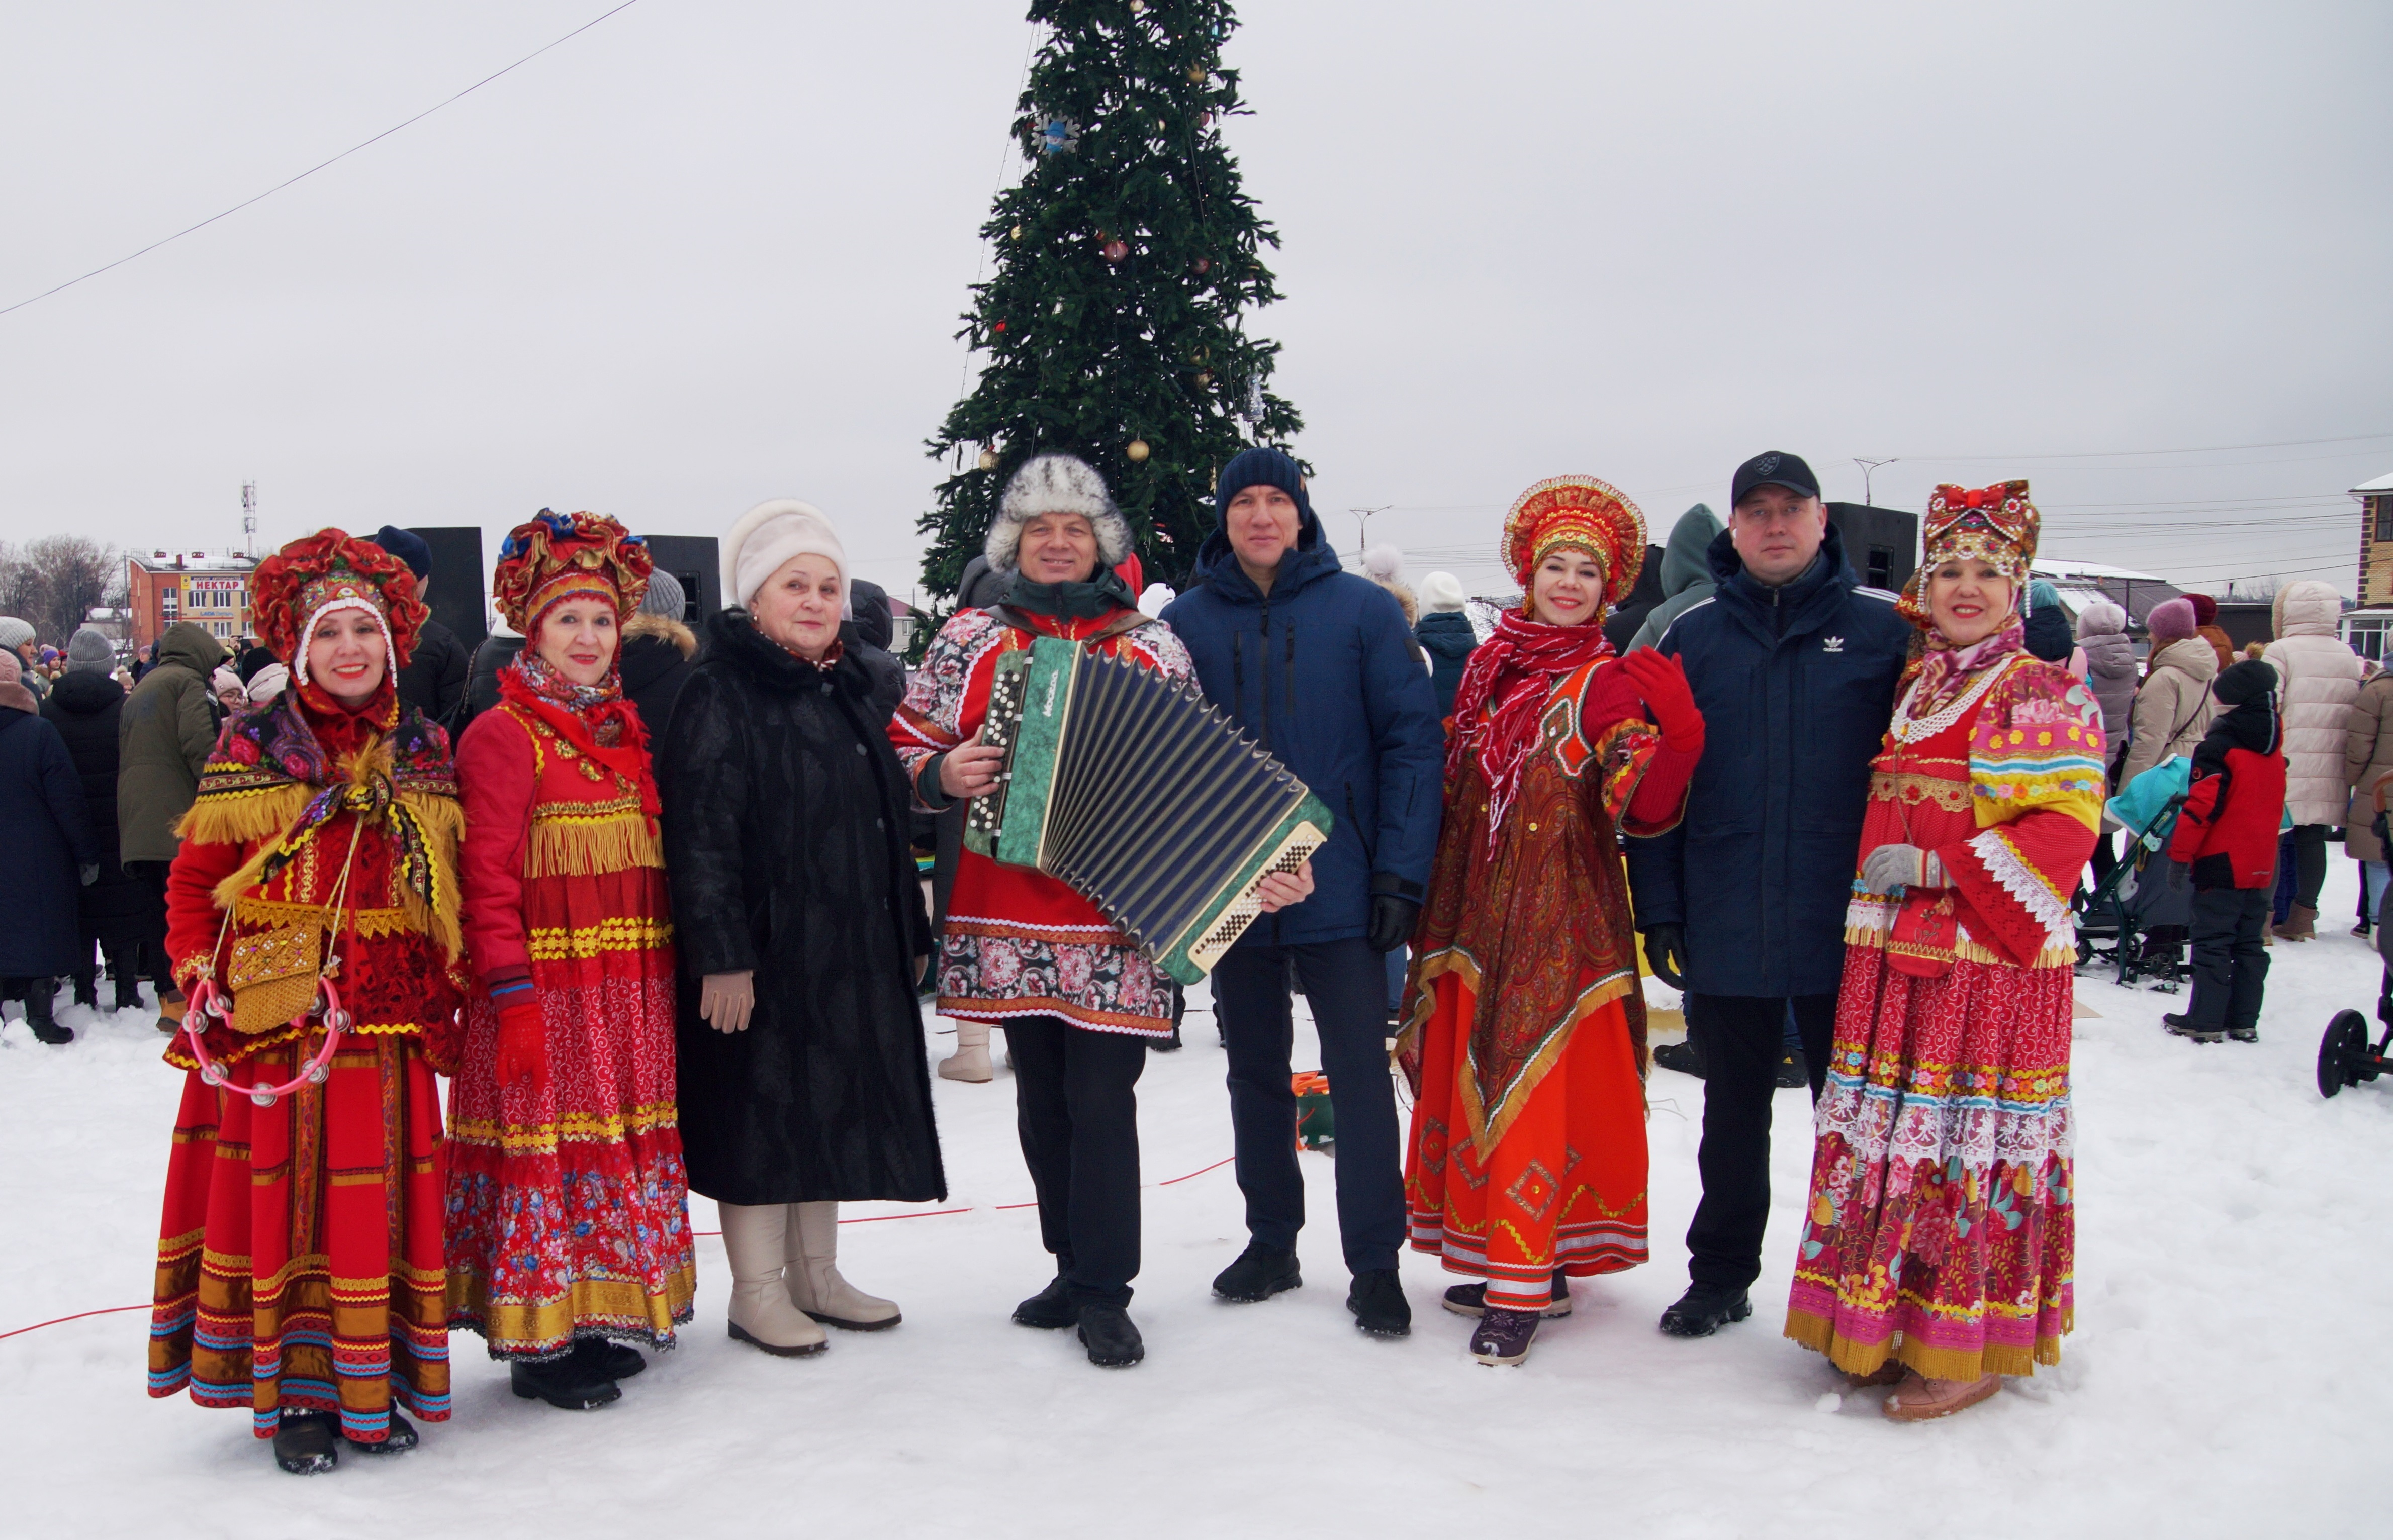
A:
[1644,779]
[496,775]
[193,921]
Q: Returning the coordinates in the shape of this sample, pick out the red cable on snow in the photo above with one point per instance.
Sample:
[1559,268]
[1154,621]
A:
[867,1219]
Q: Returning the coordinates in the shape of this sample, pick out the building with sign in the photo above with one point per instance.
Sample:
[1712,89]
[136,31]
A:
[209,588]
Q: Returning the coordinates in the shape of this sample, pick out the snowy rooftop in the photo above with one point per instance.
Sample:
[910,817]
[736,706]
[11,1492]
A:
[2059,569]
[194,561]
[2382,484]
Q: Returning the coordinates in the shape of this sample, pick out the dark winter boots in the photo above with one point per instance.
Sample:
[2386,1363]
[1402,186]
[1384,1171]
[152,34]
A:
[1378,1303]
[1704,1310]
[1113,1343]
[1048,1310]
[574,1383]
[1260,1273]
[1504,1335]
[305,1443]
[1472,1298]
[45,1025]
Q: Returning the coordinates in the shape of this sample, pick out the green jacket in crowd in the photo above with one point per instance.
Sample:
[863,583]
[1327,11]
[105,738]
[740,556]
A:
[162,741]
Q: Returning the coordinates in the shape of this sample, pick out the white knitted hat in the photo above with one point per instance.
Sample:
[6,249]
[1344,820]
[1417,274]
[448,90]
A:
[1056,484]
[1441,592]
[770,534]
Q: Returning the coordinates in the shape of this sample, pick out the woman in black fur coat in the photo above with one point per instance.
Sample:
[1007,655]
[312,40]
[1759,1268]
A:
[799,918]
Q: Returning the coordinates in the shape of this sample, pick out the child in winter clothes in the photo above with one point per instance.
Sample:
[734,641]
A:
[2228,833]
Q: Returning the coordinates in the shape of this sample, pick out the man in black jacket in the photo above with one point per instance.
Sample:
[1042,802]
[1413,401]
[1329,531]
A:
[1794,665]
[434,680]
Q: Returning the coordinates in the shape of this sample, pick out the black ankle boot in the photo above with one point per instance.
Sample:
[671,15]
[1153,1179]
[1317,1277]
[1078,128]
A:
[86,991]
[44,1026]
[399,1441]
[305,1444]
[1113,1343]
[568,1384]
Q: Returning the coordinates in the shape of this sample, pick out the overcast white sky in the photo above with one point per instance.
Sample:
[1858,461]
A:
[713,251]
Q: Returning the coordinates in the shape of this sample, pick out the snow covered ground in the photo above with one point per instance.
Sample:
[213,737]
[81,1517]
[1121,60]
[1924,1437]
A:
[2230,1373]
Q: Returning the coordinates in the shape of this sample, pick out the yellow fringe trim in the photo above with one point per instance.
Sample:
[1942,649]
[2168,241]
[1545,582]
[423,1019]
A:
[370,922]
[586,847]
[572,1127]
[237,817]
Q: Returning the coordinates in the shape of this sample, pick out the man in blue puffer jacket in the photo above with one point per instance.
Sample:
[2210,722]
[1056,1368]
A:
[1793,665]
[1316,664]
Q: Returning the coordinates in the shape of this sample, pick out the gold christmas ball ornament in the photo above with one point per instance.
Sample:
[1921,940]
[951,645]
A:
[1204,382]
[1017,232]
[1138,7]
[1137,451]
[1198,74]
[988,461]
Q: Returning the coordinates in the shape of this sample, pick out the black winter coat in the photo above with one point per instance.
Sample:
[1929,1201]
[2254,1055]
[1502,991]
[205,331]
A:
[46,836]
[1797,687]
[656,661]
[785,832]
[434,680]
[84,707]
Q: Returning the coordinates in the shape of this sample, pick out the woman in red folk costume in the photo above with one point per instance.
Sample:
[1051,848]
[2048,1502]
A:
[312,914]
[1525,1037]
[1940,1231]
[569,1227]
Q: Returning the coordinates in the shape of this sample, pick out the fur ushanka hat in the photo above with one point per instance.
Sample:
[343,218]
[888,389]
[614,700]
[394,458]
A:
[1056,484]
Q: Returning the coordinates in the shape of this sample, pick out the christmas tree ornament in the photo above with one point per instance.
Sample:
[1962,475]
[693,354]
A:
[1202,266]
[1138,7]
[1017,232]
[1204,381]
[1058,135]
[1116,250]
[1136,451]
[1198,74]
[988,460]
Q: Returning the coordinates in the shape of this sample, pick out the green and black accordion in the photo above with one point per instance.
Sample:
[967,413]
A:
[1128,786]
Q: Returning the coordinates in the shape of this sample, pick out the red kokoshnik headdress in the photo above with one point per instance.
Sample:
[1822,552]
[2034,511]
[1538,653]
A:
[1580,512]
[1996,525]
[327,571]
[554,556]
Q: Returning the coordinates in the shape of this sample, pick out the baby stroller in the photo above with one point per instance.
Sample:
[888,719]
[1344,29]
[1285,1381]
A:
[2345,1057]
[2145,891]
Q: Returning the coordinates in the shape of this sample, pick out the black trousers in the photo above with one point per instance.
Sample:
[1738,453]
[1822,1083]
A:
[1740,1036]
[1346,984]
[1076,1108]
[2230,965]
[2310,863]
[153,961]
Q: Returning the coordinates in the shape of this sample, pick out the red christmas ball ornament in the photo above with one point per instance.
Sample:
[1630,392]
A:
[997,327]
[1202,266]
[1117,250]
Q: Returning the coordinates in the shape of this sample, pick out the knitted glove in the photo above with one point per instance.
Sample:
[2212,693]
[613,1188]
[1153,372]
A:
[1891,868]
[1661,682]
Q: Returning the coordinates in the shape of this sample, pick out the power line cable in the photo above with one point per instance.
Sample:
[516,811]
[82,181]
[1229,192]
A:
[344,155]
[2125,454]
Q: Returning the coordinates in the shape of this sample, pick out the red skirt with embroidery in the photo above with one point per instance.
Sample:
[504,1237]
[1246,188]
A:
[568,1203]
[1562,1190]
[299,1261]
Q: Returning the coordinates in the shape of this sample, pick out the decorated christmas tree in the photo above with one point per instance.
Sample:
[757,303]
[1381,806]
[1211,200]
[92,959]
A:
[1126,260]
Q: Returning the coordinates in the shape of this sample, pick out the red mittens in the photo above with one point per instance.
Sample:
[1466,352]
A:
[523,1044]
[1661,682]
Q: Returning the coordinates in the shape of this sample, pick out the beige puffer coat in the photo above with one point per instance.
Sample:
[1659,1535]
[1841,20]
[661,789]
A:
[2317,678]
[2173,706]
[2367,759]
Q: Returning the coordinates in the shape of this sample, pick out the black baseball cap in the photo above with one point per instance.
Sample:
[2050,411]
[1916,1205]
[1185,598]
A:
[1774,469]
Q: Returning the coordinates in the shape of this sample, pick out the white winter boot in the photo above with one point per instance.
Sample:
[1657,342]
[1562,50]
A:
[815,1287]
[970,1061]
[755,1237]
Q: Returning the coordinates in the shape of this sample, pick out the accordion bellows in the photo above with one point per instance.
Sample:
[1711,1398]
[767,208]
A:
[1128,786]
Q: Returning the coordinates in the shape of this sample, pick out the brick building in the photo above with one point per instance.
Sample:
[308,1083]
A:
[2369,628]
[211,588]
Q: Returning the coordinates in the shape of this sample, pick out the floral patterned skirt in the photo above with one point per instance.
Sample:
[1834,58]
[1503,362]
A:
[1939,1229]
[567,1204]
[1562,1190]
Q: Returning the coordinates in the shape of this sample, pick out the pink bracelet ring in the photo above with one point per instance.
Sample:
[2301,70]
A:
[207,1001]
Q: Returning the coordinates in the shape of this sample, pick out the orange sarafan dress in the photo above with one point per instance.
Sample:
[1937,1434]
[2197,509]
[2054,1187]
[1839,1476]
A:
[1525,1035]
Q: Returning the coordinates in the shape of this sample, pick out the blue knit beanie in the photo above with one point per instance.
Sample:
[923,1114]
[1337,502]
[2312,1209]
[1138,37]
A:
[1262,467]
[408,546]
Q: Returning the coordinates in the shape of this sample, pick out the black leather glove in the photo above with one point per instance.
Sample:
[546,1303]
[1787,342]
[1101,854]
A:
[1391,922]
[1666,953]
